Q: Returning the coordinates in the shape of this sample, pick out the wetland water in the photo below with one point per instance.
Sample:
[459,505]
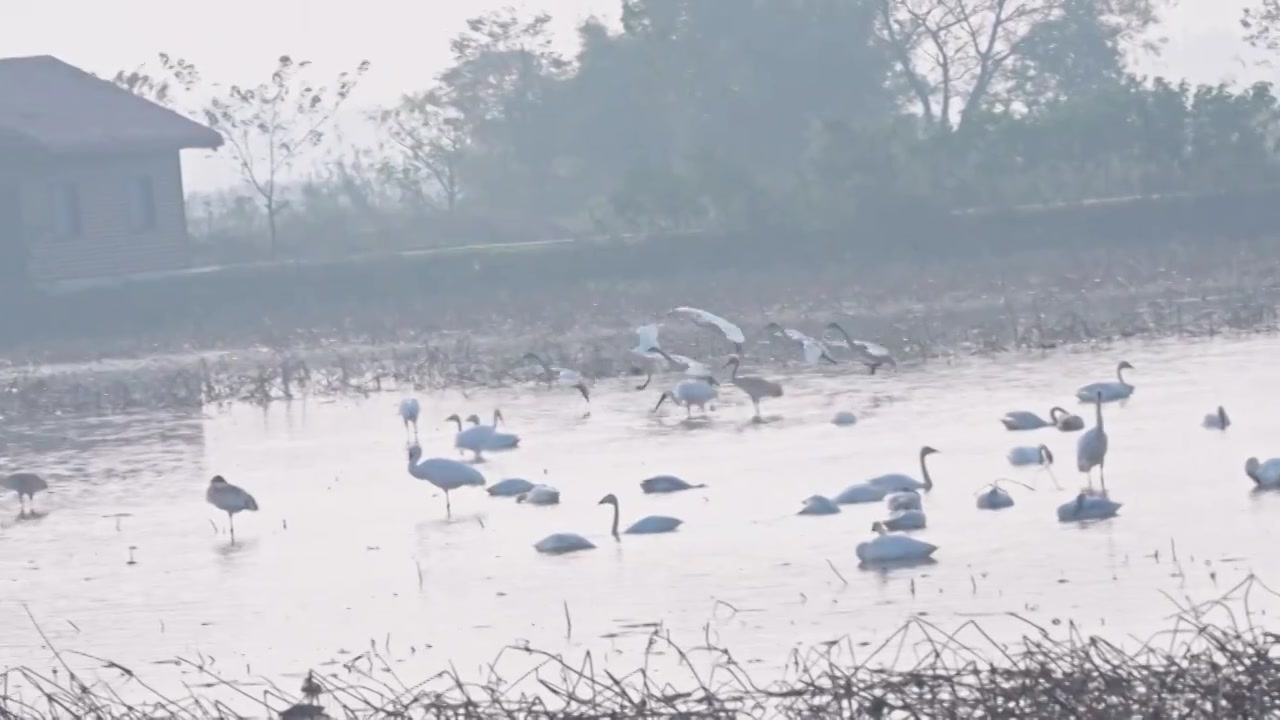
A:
[349,549]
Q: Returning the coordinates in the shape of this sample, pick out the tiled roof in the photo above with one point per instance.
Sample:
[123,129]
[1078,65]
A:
[65,109]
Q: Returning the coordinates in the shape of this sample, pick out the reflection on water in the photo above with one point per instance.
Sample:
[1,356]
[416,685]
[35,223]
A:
[348,548]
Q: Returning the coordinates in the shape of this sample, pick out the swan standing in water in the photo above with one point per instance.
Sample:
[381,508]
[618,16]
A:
[1109,391]
[888,548]
[511,487]
[1088,506]
[666,484]
[26,485]
[815,351]
[540,495]
[649,525]
[819,505]
[229,499]
[1265,475]
[898,482]
[1217,420]
[1065,421]
[1028,455]
[563,377]
[756,387]
[704,319]
[443,473]
[1091,448]
[409,414]
[690,393]
[872,355]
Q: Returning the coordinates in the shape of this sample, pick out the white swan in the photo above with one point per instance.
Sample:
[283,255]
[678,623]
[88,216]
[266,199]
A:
[906,520]
[888,548]
[814,350]
[561,543]
[229,499]
[1023,420]
[478,438]
[540,495]
[872,355]
[26,485]
[1091,448]
[497,440]
[994,497]
[905,500]
[898,482]
[409,414]
[756,387]
[844,418]
[443,473]
[1030,455]
[1217,420]
[704,319]
[1088,506]
[666,484]
[690,393]
[511,487]
[819,505]
[1065,421]
[861,493]
[1265,475]
[563,377]
[649,525]
[1110,391]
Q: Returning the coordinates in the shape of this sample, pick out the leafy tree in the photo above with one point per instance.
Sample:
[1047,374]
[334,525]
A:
[169,84]
[431,139]
[268,127]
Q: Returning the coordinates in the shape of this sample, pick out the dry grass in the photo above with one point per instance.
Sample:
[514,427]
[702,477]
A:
[1211,663]
[923,311]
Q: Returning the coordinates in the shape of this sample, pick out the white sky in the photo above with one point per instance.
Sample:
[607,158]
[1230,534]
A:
[237,41]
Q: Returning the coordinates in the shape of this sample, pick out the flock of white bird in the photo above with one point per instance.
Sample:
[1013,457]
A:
[698,387]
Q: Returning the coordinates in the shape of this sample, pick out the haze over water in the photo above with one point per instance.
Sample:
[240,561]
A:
[348,548]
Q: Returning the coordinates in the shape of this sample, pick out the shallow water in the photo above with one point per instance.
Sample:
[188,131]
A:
[349,550]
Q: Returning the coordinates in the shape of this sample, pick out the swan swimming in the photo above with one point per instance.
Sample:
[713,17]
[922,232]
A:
[887,548]
[444,473]
[1091,448]
[511,487]
[819,505]
[229,499]
[1217,420]
[906,520]
[898,482]
[540,495]
[26,485]
[1088,506]
[1065,421]
[860,493]
[994,497]
[666,484]
[561,543]
[1029,455]
[480,438]
[690,393]
[1265,475]
[409,414]
[649,525]
[905,500]
[1109,391]
[497,440]
[844,418]
[1023,420]
[756,387]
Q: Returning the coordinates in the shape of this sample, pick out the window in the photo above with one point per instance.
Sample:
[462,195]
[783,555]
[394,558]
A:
[142,205]
[66,211]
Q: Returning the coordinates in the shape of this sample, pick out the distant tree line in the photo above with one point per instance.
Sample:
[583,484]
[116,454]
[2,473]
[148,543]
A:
[737,115]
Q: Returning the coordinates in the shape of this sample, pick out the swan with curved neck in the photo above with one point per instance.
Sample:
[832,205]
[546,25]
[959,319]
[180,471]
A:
[898,482]
[648,525]
[1065,421]
[1117,390]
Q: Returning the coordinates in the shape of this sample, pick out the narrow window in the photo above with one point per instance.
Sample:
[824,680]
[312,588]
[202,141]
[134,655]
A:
[142,204]
[66,211]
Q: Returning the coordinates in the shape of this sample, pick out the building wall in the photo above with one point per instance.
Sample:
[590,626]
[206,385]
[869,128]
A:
[107,239]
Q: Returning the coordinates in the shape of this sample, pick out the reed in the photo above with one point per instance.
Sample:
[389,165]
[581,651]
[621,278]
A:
[1211,662]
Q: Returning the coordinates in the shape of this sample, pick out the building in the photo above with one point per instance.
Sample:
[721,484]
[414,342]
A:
[90,176]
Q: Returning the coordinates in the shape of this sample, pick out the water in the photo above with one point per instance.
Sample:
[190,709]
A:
[349,549]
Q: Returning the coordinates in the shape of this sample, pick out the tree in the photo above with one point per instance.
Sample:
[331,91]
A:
[269,126]
[432,139]
[952,55]
[167,85]
[1261,23]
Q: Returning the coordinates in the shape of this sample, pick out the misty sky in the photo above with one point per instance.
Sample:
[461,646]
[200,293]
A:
[237,41]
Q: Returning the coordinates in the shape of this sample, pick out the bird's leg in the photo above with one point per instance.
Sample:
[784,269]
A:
[756,403]
[1102,477]
[448,506]
[231,520]
[688,411]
